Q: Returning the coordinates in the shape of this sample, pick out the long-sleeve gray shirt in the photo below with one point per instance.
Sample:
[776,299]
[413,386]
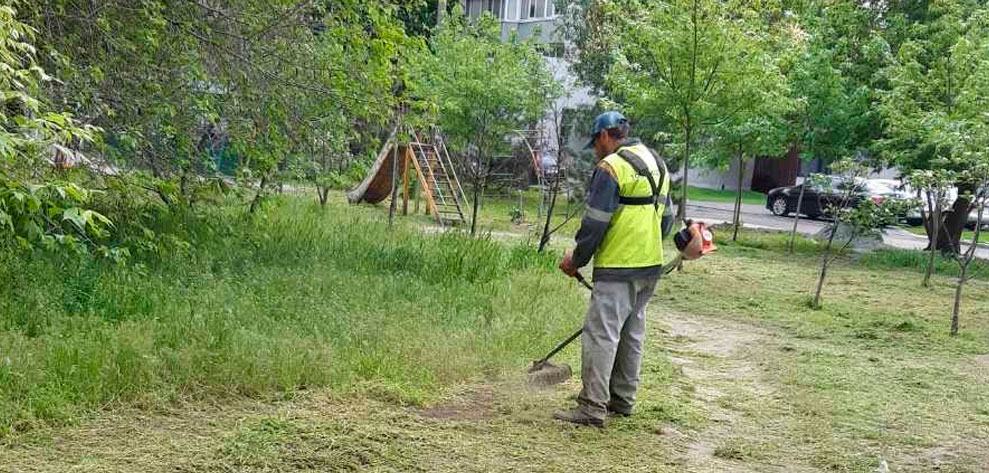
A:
[602,203]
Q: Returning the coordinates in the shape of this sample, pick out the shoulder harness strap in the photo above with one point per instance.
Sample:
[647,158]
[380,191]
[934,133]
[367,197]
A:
[642,169]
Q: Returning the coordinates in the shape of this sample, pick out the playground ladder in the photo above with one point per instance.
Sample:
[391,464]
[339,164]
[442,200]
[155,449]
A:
[444,195]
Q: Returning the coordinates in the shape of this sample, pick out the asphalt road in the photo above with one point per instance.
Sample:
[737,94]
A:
[757,216]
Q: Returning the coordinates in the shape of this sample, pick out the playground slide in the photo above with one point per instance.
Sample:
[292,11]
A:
[376,186]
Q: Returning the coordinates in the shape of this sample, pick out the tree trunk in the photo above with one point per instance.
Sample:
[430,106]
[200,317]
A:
[825,262]
[682,207]
[394,185]
[933,229]
[257,197]
[394,169]
[965,262]
[820,285]
[796,220]
[323,194]
[477,201]
[958,299]
[544,240]
[738,196]
[949,240]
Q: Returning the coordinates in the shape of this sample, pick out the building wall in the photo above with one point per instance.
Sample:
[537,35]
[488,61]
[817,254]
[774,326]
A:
[721,179]
[537,20]
[531,19]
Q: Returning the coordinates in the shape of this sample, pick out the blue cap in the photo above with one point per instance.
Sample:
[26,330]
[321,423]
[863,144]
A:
[605,121]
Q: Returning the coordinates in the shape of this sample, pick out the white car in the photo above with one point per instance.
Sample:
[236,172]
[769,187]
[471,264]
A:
[914,216]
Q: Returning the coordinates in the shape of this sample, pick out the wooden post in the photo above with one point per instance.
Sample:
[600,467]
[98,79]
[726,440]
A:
[429,195]
[423,181]
[405,190]
[417,189]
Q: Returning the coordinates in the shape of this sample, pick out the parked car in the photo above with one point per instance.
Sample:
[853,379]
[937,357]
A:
[782,201]
[915,218]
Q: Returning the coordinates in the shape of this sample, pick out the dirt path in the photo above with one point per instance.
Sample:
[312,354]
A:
[713,356]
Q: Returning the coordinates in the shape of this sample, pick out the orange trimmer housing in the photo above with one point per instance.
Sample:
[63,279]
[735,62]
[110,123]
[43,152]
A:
[697,241]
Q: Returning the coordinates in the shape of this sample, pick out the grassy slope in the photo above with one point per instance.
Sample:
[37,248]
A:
[740,375]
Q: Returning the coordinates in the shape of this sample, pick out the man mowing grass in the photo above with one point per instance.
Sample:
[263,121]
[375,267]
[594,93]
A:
[628,213]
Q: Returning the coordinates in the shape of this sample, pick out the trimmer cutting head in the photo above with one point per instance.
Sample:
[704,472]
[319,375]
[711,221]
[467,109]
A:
[544,374]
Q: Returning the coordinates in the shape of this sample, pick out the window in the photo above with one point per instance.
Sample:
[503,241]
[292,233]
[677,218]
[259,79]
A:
[540,8]
[535,9]
[494,6]
[511,10]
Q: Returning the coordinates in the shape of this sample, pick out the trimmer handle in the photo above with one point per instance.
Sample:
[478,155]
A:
[580,277]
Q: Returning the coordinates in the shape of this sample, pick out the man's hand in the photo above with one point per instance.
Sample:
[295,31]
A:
[566,265]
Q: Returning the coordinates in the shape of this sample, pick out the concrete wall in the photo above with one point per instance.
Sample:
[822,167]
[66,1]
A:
[721,180]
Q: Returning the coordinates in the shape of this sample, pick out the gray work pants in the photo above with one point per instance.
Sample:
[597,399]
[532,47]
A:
[614,330]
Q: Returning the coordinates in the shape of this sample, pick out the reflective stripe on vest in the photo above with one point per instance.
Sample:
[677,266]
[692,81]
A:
[634,238]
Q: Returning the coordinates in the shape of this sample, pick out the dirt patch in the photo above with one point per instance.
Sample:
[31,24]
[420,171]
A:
[982,360]
[475,403]
[708,336]
[712,353]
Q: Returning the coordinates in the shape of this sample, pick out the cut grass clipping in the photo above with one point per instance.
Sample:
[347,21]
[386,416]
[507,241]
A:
[300,297]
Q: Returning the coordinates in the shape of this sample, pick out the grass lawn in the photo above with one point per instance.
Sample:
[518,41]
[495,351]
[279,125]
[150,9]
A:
[966,235]
[711,195]
[351,351]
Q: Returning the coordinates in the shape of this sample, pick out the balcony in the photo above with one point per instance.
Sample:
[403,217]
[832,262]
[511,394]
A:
[527,17]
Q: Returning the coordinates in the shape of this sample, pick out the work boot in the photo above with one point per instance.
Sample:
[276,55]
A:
[619,410]
[616,413]
[578,417]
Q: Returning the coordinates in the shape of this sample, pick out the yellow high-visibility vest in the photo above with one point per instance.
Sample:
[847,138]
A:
[634,237]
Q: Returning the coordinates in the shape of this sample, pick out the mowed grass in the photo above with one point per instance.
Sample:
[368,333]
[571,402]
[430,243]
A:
[296,298]
[873,373]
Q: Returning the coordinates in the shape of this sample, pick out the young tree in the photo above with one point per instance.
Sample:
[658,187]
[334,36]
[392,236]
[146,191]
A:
[686,61]
[852,216]
[971,153]
[932,188]
[759,128]
[483,89]
[833,117]
[559,178]
[978,178]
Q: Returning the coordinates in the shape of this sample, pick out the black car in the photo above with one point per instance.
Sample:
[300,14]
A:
[782,201]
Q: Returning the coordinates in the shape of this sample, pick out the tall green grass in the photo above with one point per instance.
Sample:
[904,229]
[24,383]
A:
[299,297]
[916,261]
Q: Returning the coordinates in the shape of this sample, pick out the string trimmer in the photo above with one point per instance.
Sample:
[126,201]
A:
[693,242]
[542,373]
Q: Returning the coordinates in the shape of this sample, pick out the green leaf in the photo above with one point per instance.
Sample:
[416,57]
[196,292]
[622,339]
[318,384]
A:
[74,215]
